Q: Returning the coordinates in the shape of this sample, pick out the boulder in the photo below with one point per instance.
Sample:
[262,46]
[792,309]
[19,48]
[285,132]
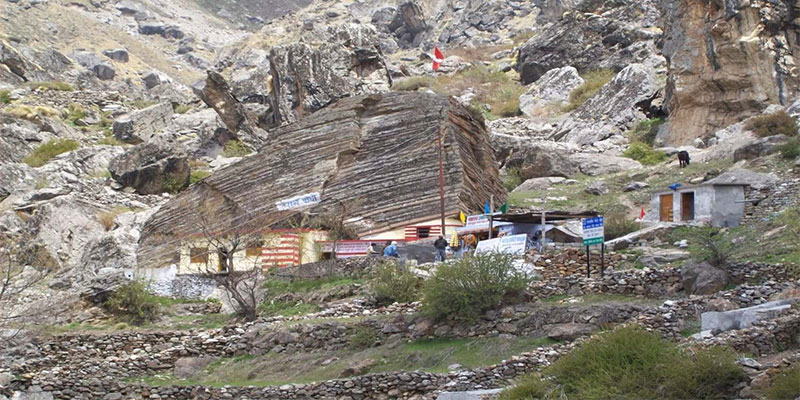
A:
[634,186]
[759,148]
[597,188]
[743,317]
[539,183]
[142,125]
[152,28]
[550,92]
[217,94]
[702,278]
[120,55]
[187,367]
[569,331]
[152,168]
[152,79]
[104,71]
[601,164]
[541,160]
[613,109]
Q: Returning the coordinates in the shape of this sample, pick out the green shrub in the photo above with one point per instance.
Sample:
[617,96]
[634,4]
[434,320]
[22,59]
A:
[646,131]
[645,154]
[49,85]
[198,175]
[235,148]
[173,185]
[5,97]
[779,123]
[133,304]
[593,81]
[182,108]
[528,387]
[618,224]
[412,84]
[707,244]
[465,288]
[393,283]
[512,179]
[75,112]
[45,152]
[631,363]
[362,337]
[790,149]
[786,385]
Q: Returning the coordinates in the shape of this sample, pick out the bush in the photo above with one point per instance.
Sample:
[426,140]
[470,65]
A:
[631,363]
[198,175]
[61,86]
[645,154]
[235,148]
[527,388]
[467,287]
[182,108]
[31,113]
[708,244]
[5,97]
[786,385]
[618,224]
[779,123]
[646,131]
[362,337]
[133,304]
[512,179]
[48,150]
[593,81]
[790,149]
[392,283]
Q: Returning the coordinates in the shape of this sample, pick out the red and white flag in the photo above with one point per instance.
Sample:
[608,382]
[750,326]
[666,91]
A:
[438,59]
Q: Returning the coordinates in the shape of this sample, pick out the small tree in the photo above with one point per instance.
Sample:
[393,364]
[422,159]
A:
[391,283]
[133,304]
[21,270]
[710,244]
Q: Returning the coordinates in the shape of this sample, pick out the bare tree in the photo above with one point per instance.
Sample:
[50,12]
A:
[18,277]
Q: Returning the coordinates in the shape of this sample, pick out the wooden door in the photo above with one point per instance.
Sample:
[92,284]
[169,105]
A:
[666,208]
[687,206]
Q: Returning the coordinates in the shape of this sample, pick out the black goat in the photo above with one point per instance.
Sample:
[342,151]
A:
[683,158]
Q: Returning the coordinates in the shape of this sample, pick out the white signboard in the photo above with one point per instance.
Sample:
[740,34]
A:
[510,244]
[304,200]
[593,231]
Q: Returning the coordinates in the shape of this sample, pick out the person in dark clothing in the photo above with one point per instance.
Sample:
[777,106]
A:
[441,248]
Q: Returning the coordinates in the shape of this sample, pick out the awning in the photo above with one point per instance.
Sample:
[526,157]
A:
[465,230]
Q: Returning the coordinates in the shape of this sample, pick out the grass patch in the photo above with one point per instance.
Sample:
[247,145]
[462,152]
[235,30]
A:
[279,286]
[75,112]
[206,321]
[236,148]
[645,154]
[51,85]
[646,131]
[5,97]
[198,175]
[593,81]
[32,113]
[631,363]
[618,225]
[785,385]
[362,337]
[45,152]
[780,123]
[182,108]
[106,218]
[791,149]
[512,179]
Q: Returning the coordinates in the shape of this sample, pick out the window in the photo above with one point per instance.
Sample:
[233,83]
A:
[423,232]
[198,255]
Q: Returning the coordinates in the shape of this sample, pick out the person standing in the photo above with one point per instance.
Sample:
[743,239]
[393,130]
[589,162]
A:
[391,250]
[441,248]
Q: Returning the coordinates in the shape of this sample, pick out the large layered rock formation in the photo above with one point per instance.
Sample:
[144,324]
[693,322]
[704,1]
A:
[727,61]
[376,155]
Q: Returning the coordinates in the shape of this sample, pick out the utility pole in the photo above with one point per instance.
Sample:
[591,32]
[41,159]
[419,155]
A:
[491,215]
[544,220]
[441,178]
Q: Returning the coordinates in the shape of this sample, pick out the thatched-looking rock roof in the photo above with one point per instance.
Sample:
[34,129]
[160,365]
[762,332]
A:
[376,155]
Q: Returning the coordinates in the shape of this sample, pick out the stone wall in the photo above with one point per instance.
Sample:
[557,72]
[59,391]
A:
[776,199]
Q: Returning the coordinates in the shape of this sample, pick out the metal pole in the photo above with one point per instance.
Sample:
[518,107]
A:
[602,259]
[441,178]
[543,236]
[491,215]
[588,263]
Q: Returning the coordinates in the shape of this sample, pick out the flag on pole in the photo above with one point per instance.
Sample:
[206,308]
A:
[504,208]
[641,214]
[486,209]
[438,59]
[462,217]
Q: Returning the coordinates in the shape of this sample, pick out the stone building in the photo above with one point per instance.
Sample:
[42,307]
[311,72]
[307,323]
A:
[718,204]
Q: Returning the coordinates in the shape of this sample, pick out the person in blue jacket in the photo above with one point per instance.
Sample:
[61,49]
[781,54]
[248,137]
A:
[391,250]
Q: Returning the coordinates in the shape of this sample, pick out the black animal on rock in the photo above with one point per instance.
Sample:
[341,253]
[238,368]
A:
[683,158]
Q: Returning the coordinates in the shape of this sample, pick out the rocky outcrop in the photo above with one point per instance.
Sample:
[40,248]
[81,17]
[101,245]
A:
[594,36]
[601,164]
[142,125]
[702,278]
[759,148]
[152,168]
[613,109]
[539,161]
[550,92]
[727,61]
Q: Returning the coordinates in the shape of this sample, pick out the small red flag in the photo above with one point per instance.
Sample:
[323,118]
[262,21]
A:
[641,215]
[438,58]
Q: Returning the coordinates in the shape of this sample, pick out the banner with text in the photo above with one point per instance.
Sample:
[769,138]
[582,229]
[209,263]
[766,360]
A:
[304,200]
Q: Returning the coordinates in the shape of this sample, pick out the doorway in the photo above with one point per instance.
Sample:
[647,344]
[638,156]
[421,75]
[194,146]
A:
[687,206]
[666,208]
